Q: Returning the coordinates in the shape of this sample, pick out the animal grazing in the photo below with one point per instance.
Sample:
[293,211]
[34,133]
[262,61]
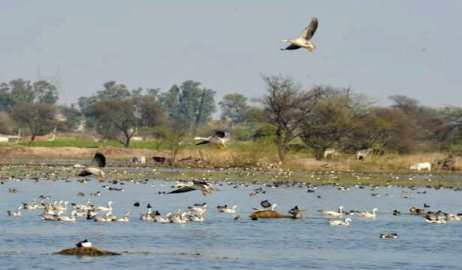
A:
[160,160]
[330,153]
[303,41]
[139,160]
[421,166]
[363,153]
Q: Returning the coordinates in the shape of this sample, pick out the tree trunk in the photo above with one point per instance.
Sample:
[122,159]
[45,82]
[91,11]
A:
[319,153]
[281,145]
[32,139]
[127,142]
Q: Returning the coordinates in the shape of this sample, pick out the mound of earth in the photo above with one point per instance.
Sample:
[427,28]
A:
[86,251]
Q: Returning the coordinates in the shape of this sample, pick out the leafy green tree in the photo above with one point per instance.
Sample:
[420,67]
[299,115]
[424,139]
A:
[115,119]
[149,111]
[189,104]
[333,117]
[73,118]
[234,108]
[45,92]
[39,118]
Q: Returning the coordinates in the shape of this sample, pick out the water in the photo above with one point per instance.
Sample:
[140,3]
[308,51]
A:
[222,243]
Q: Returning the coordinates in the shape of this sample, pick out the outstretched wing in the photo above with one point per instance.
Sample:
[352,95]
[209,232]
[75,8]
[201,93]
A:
[202,142]
[84,173]
[291,47]
[99,160]
[181,190]
[309,31]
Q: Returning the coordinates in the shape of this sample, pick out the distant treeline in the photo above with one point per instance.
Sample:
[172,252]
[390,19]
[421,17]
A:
[317,118]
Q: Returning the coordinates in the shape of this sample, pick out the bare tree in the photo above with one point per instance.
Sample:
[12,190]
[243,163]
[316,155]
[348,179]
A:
[286,106]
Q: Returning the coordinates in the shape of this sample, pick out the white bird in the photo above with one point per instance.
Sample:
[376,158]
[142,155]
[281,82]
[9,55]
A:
[367,214]
[218,138]
[303,41]
[228,210]
[16,213]
[203,186]
[125,218]
[103,208]
[66,218]
[84,243]
[340,222]
[437,221]
[332,213]
[100,161]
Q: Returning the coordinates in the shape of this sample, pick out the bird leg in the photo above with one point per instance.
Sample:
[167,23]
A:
[310,50]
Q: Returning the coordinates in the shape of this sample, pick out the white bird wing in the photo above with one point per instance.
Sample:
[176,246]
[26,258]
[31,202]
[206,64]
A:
[309,31]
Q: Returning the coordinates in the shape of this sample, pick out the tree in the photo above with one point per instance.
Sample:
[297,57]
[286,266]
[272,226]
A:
[333,117]
[39,118]
[112,90]
[73,118]
[149,111]
[234,107]
[45,92]
[6,123]
[115,119]
[286,106]
[189,104]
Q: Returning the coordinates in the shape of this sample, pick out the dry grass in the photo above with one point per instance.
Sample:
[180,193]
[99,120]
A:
[243,156]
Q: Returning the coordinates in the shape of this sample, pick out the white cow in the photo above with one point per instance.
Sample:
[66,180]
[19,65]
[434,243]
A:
[422,165]
[330,153]
[362,154]
[139,160]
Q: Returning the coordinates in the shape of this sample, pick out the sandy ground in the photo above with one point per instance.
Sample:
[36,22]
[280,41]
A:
[73,152]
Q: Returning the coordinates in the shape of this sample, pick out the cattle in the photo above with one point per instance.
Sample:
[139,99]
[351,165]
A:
[330,153]
[421,166]
[363,153]
[139,160]
[160,160]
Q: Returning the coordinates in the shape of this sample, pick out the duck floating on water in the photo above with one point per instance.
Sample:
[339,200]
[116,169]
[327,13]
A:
[389,235]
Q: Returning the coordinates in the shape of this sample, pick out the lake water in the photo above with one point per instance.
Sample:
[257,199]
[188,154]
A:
[223,243]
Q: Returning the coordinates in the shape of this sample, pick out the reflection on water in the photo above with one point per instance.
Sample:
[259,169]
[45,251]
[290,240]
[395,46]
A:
[222,243]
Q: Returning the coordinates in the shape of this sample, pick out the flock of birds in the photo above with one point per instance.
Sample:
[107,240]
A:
[56,210]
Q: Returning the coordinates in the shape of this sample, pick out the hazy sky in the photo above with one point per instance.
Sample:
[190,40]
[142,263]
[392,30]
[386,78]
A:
[380,48]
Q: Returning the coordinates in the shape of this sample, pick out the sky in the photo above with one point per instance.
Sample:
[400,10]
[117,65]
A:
[378,48]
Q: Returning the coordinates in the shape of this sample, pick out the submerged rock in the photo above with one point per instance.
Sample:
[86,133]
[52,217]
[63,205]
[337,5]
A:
[86,251]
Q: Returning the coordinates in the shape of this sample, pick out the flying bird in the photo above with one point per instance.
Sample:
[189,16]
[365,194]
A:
[218,138]
[99,161]
[303,41]
[204,187]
